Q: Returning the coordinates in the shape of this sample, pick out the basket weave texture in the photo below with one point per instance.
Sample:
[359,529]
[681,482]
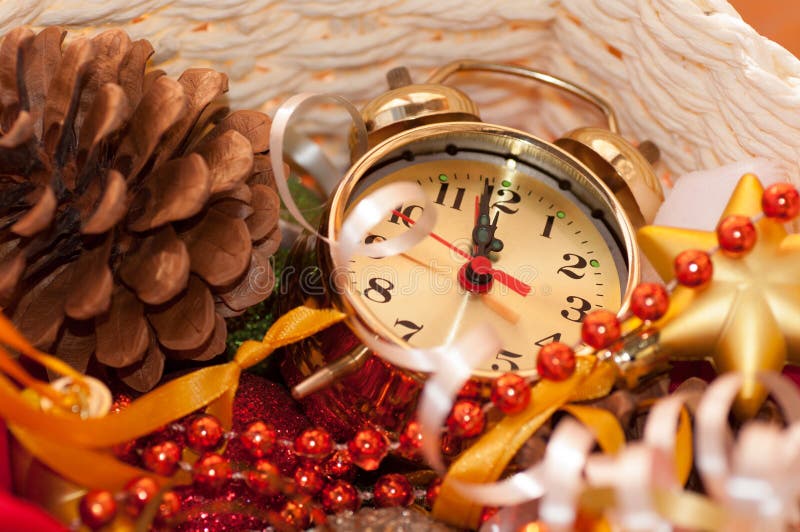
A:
[690,75]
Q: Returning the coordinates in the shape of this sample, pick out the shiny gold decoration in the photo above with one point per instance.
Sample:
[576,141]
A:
[748,318]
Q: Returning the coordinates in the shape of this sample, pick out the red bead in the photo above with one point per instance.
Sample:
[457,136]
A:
[487,513]
[293,516]
[204,433]
[649,301]
[368,448]
[169,507]
[259,439]
[393,490]
[411,440]
[314,444]
[511,393]
[339,465]
[466,419]
[264,478]
[693,268]
[162,458]
[433,492]
[556,362]
[308,479]
[470,390]
[97,508]
[451,444]
[600,329]
[125,450]
[211,472]
[781,201]
[139,492]
[340,496]
[736,234]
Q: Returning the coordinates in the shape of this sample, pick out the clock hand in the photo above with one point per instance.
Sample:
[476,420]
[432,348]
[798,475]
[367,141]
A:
[510,281]
[484,228]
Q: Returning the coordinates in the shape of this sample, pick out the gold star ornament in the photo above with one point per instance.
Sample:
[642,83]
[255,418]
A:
[747,317]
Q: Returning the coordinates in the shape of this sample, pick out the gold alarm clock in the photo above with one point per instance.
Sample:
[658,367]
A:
[530,236]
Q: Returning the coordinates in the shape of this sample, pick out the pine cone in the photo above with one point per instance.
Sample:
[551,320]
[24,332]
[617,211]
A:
[135,212]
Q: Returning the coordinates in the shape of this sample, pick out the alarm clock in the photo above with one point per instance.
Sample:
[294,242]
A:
[530,236]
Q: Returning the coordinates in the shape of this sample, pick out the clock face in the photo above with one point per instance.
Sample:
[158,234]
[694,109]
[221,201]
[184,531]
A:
[546,257]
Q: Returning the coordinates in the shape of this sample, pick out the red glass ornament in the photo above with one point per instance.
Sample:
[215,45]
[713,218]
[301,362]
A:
[264,478]
[211,472]
[162,458]
[204,433]
[259,439]
[487,513]
[511,393]
[308,479]
[367,448]
[139,492]
[649,301]
[340,496]
[736,234]
[97,508]
[339,465]
[466,419]
[600,329]
[293,516]
[411,440]
[781,201]
[433,492]
[393,490]
[693,268]
[556,361]
[169,507]
[314,444]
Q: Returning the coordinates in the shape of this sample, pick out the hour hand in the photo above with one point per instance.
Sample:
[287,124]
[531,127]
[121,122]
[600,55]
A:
[485,227]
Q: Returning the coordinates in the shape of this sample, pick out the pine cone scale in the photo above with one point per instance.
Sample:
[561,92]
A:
[123,336]
[91,284]
[159,269]
[187,322]
[219,247]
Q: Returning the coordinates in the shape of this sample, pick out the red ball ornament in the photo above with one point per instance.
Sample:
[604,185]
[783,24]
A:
[97,508]
[139,492]
[314,444]
[368,448]
[556,362]
[433,492]
[259,439]
[308,479]
[466,419]
[736,234]
[393,490]
[339,465]
[693,268]
[781,201]
[600,329]
[162,458]
[510,393]
[340,496]
[411,440]
[169,507]
[264,478]
[649,301]
[293,516]
[204,433]
[211,472]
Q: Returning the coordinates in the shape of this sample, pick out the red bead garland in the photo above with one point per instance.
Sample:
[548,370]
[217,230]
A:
[393,490]
[314,444]
[556,362]
[466,419]
[308,479]
[259,439]
[368,448]
[264,478]
[411,440]
[781,201]
[339,465]
[169,507]
[432,492]
[649,301]
[510,393]
[162,458]
[736,234]
[97,508]
[211,472]
[693,268]
[139,492]
[340,496]
[600,329]
[204,433]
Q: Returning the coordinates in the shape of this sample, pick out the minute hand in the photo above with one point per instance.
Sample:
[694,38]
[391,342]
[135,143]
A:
[510,281]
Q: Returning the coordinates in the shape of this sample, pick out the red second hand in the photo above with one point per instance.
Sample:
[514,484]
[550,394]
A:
[513,283]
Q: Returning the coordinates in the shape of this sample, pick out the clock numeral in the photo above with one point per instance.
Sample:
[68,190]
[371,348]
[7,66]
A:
[580,311]
[569,270]
[374,238]
[407,211]
[408,324]
[503,204]
[549,339]
[548,226]
[507,357]
[379,290]
[443,194]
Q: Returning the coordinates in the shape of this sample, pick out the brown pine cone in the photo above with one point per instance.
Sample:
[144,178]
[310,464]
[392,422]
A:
[135,212]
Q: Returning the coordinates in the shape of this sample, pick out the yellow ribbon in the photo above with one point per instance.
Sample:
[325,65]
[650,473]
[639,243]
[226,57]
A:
[76,448]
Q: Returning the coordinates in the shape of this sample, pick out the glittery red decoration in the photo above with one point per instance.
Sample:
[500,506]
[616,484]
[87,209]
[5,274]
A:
[340,496]
[466,419]
[138,492]
[204,433]
[393,490]
[368,448]
[162,458]
[97,508]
